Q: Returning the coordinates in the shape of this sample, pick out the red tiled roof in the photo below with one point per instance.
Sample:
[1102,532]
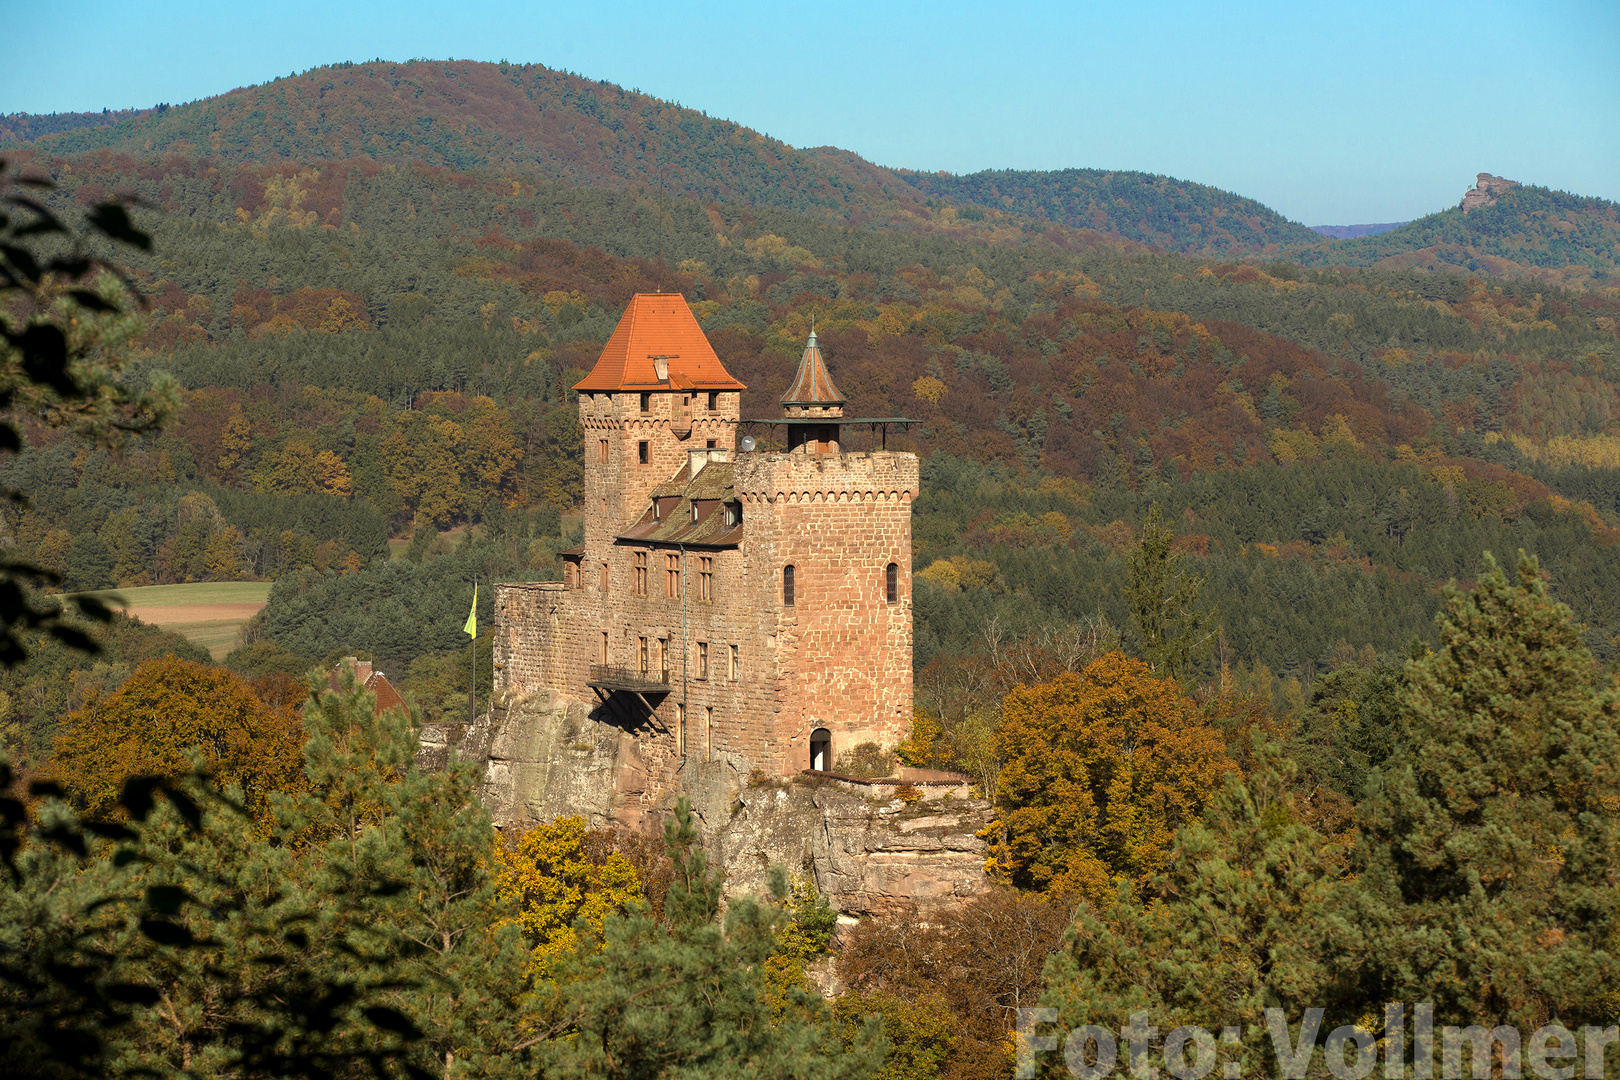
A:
[658,324]
[813,385]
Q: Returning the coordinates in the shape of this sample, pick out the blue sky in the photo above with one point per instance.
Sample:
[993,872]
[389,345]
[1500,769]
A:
[1331,113]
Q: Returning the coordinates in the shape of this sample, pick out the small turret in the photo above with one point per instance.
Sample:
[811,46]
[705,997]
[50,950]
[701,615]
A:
[814,399]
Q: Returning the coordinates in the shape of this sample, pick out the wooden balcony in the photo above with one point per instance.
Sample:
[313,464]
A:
[612,677]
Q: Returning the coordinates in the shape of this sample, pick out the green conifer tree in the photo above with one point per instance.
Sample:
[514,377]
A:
[1487,877]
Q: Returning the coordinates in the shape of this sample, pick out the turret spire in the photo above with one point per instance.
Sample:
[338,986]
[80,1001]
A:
[813,392]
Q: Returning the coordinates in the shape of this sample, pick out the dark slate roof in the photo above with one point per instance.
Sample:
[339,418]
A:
[712,489]
[812,385]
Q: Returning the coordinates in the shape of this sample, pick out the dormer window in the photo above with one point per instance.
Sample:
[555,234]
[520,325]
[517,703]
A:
[733,515]
[694,512]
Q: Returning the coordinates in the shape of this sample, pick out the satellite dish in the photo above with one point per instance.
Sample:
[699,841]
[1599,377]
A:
[747,443]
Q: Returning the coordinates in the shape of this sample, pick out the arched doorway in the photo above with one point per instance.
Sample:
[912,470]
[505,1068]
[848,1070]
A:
[821,750]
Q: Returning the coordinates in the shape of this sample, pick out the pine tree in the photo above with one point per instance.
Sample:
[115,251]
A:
[686,997]
[1226,932]
[1488,864]
[1167,622]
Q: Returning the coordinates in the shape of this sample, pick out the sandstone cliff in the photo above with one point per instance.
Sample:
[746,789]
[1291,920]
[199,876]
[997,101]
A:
[868,852]
[1486,190]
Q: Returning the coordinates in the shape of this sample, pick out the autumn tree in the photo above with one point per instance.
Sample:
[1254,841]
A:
[1101,768]
[1230,928]
[947,987]
[554,880]
[169,716]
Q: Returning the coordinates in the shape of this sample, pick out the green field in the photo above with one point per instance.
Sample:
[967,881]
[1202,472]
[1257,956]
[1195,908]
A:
[208,613]
[202,592]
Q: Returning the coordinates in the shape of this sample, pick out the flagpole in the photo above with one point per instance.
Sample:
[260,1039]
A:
[472,654]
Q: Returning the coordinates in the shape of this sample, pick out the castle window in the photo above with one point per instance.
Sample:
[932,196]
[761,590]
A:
[604,584]
[787,585]
[733,514]
[708,733]
[706,578]
[641,573]
[646,403]
[736,663]
[714,400]
[703,660]
[604,648]
[821,749]
[601,450]
[672,576]
[891,583]
[656,514]
[663,659]
[694,512]
[680,729]
[709,445]
[643,655]
[641,453]
[570,575]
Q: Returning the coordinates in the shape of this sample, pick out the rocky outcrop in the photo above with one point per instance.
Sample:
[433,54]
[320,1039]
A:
[867,857]
[868,851]
[547,755]
[1486,190]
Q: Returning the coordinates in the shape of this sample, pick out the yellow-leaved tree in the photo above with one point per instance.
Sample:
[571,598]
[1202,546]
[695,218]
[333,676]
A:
[1101,768]
[554,876]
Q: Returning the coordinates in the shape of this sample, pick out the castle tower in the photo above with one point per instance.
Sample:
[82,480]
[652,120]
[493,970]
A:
[657,391]
[746,607]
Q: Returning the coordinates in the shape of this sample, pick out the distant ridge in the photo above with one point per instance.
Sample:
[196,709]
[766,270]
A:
[1355,232]
[529,121]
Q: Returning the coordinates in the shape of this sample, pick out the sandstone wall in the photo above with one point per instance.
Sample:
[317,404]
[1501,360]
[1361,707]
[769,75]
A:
[839,520]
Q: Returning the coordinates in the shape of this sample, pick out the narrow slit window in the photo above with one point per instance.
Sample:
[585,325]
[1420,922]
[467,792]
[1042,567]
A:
[641,453]
[891,583]
[787,585]
[714,400]
[604,584]
[601,450]
[604,648]
[736,663]
[646,403]
[644,657]
[703,660]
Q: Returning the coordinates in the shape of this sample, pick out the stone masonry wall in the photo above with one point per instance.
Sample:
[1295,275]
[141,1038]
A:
[845,652]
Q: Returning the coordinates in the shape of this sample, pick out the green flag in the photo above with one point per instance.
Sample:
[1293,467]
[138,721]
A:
[471,629]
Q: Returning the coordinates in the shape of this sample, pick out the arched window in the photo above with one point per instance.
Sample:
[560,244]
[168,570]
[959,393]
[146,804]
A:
[787,585]
[821,750]
[891,583]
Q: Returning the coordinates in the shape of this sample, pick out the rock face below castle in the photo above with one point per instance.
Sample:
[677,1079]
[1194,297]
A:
[1486,190]
[547,755]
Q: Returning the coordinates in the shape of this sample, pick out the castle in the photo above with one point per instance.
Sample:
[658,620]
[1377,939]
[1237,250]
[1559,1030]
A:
[738,598]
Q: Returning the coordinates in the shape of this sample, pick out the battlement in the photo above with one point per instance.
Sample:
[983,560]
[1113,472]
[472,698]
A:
[873,476]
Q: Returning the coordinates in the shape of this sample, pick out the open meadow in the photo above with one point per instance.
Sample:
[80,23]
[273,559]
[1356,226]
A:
[208,613]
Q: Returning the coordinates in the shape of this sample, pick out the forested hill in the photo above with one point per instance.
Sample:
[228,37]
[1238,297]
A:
[519,118]
[1530,231]
[531,123]
[1168,213]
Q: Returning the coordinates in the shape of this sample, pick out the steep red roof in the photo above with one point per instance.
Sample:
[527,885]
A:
[658,324]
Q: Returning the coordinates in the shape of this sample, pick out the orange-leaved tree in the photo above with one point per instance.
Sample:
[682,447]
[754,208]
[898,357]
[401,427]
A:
[169,714]
[1101,768]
